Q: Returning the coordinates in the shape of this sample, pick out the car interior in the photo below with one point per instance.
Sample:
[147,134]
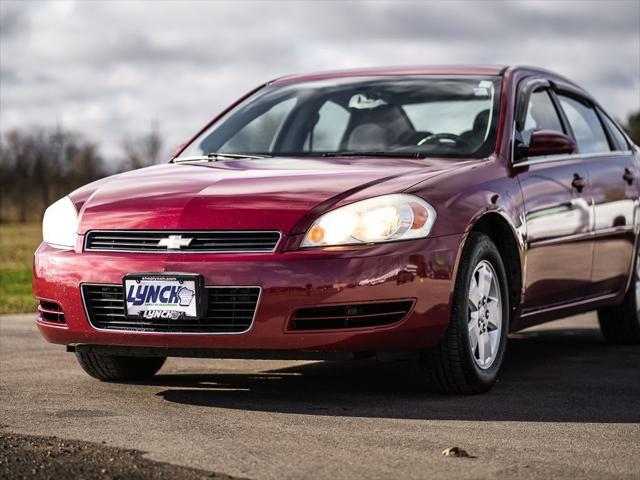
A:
[442,118]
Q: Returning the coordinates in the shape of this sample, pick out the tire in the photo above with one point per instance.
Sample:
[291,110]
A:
[455,366]
[620,324]
[109,368]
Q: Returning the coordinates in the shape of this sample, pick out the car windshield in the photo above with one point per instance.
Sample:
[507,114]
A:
[396,116]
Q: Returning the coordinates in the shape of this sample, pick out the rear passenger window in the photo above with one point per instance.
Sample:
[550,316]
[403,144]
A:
[541,115]
[619,139]
[586,126]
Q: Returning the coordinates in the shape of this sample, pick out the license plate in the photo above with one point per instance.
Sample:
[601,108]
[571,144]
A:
[163,296]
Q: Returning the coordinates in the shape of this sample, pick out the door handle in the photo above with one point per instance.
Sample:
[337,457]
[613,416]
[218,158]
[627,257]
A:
[578,182]
[628,176]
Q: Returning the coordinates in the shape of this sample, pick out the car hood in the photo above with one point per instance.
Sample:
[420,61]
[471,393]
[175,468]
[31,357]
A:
[256,194]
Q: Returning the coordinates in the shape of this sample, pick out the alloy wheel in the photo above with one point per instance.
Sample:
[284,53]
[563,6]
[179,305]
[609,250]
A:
[485,314]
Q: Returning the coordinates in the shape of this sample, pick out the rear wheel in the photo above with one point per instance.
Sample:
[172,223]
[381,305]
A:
[110,368]
[468,358]
[620,324]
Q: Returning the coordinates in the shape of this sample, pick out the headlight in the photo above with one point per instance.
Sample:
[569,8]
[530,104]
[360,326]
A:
[60,224]
[381,219]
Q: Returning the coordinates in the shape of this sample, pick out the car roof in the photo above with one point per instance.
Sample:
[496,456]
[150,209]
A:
[483,70]
[480,70]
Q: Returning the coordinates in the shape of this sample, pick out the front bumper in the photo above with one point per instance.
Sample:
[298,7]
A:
[421,270]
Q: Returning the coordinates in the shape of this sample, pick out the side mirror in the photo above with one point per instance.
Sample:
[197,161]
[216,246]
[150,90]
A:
[548,142]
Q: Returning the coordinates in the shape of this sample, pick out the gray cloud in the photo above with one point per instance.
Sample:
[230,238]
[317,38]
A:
[110,69]
[13,17]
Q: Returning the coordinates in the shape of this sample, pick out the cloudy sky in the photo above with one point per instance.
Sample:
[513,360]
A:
[109,69]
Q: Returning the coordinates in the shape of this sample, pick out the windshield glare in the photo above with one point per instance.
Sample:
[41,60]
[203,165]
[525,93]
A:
[416,116]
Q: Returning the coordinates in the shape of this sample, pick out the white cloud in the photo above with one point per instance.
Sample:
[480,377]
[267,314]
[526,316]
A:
[110,69]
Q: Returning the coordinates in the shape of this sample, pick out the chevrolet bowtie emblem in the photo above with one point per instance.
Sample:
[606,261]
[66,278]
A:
[174,242]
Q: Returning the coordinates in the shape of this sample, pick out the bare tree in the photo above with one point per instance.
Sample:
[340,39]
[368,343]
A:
[633,127]
[143,150]
[38,165]
[18,167]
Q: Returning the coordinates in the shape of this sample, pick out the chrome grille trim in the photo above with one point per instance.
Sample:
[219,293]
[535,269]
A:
[203,241]
[133,326]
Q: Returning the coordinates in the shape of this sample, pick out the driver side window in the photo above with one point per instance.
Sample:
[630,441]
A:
[586,126]
[541,115]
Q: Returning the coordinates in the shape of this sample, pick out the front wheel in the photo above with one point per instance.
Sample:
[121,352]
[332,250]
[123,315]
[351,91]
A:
[468,358]
[110,368]
[620,324]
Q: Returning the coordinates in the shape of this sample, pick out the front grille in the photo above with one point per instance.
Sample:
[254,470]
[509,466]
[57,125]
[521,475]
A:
[51,312]
[350,316]
[200,241]
[231,310]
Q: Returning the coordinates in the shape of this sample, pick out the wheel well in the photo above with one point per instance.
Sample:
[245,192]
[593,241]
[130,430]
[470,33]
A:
[499,231]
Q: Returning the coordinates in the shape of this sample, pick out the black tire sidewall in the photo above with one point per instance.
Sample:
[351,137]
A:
[111,368]
[631,314]
[631,292]
[478,248]
[620,324]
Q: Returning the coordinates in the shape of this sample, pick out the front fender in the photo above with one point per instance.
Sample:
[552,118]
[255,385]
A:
[481,196]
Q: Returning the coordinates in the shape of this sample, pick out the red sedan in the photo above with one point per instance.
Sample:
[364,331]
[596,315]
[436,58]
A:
[420,213]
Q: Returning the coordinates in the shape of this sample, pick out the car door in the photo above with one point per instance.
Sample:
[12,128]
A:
[558,212]
[614,187]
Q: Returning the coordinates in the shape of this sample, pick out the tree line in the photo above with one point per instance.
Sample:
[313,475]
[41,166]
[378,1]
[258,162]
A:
[39,165]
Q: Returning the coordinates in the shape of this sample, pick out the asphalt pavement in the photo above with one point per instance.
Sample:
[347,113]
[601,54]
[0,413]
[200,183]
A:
[567,406]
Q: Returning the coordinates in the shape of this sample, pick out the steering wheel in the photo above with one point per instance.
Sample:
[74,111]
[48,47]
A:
[442,138]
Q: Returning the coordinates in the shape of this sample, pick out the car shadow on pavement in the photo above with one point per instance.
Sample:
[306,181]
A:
[551,376]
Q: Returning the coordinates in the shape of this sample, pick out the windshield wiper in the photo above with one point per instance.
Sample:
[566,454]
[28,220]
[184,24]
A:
[374,154]
[215,156]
